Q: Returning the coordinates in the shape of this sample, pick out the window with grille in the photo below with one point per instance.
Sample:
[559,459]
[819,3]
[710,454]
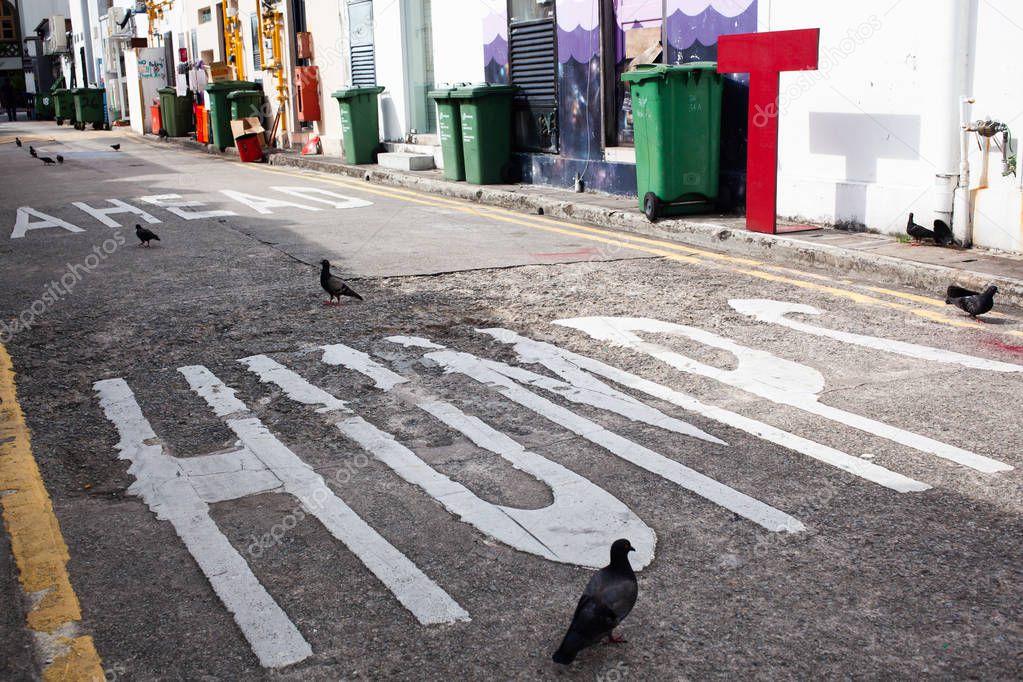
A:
[533,68]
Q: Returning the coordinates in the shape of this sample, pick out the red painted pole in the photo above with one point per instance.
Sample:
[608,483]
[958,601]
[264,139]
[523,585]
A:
[764,56]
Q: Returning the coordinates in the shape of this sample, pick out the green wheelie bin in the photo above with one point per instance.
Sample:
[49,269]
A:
[89,107]
[449,123]
[485,115]
[246,103]
[676,114]
[64,106]
[42,107]
[360,122]
[220,109]
[176,112]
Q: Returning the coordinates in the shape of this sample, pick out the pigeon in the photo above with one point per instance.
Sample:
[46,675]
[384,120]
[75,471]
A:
[32,151]
[116,147]
[145,236]
[47,161]
[334,286]
[606,601]
[60,159]
[163,134]
[943,233]
[971,302]
[917,232]
[17,141]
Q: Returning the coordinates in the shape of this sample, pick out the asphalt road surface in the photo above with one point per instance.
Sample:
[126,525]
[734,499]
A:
[821,476]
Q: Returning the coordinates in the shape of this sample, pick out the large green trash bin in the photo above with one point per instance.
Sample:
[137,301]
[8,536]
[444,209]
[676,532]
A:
[64,106]
[449,122]
[176,112]
[42,107]
[89,107]
[220,109]
[485,116]
[676,113]
[246,103]
[360,122]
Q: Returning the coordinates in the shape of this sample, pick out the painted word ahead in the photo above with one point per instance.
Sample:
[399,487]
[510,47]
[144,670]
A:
[29,219]
[576,528]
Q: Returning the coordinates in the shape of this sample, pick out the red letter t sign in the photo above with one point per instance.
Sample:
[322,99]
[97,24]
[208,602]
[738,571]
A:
[763,56]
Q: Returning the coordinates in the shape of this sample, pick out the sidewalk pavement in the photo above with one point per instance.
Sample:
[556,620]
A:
[881,258]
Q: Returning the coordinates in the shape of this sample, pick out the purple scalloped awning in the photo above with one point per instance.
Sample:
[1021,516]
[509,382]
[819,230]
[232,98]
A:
[496,51]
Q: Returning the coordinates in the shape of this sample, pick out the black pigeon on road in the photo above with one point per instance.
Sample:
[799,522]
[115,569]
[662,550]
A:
[60,159]
[47,161]
[917,232]
[606,601]
[335,286]
[32,151]
[145,236]
[116,147]
[971,302]
[17,141]
[943,233]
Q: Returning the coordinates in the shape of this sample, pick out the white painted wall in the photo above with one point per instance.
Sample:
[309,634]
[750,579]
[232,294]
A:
[862,139]
[390,68]
[457,41]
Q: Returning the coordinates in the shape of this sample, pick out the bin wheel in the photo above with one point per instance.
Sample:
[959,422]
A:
[510,173]
[98,126]
[60,121]
[651,206]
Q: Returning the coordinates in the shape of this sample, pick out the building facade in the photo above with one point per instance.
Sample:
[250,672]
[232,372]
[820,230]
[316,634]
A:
[874,133]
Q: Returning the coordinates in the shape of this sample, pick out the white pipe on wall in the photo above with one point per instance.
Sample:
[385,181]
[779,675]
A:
[951,68]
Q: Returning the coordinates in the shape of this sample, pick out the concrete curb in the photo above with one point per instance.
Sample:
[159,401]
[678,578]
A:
[776,249]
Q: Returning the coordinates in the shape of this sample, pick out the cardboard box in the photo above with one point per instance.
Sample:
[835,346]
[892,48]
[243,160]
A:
[221,71]
[248,126]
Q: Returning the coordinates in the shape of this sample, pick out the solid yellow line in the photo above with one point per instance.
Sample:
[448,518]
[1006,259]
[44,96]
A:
[36,541]
[660,248]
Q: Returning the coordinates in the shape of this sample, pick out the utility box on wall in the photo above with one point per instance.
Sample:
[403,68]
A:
[304,45]
[307,85]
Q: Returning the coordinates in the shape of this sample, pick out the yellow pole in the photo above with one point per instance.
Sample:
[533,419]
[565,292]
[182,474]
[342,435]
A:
[233,40]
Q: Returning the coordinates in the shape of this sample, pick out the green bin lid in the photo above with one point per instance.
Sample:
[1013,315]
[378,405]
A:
[642,72]
[445,91]
[243,94]
[483,90]
[168,91]
[356,90]
[232,85]
[87,91]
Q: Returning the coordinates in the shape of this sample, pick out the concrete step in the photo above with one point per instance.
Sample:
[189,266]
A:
[406,161]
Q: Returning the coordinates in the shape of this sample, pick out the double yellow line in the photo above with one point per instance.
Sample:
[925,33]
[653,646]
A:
[38,545]
[936,312]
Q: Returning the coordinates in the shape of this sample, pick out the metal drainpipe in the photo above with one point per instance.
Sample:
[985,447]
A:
[951,69]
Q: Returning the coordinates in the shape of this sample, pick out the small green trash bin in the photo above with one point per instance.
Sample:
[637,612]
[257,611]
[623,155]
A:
[220,109]
[449,123]
[42,107]
[246,103]
[64,106]
[89,107]
[485,117]
[676,113]
[176,112]
[360,122]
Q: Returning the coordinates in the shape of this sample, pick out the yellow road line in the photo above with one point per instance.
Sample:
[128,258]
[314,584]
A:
[673,251]
[38,545]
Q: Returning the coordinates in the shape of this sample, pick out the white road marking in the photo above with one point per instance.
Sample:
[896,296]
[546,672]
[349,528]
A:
[766,310]
[263,204]
[496,376]
[174,203]
[577,528]
[166,488]
[419,594]
[576,370]
[119,207]
[768,376]
[23,222]
[318,193]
